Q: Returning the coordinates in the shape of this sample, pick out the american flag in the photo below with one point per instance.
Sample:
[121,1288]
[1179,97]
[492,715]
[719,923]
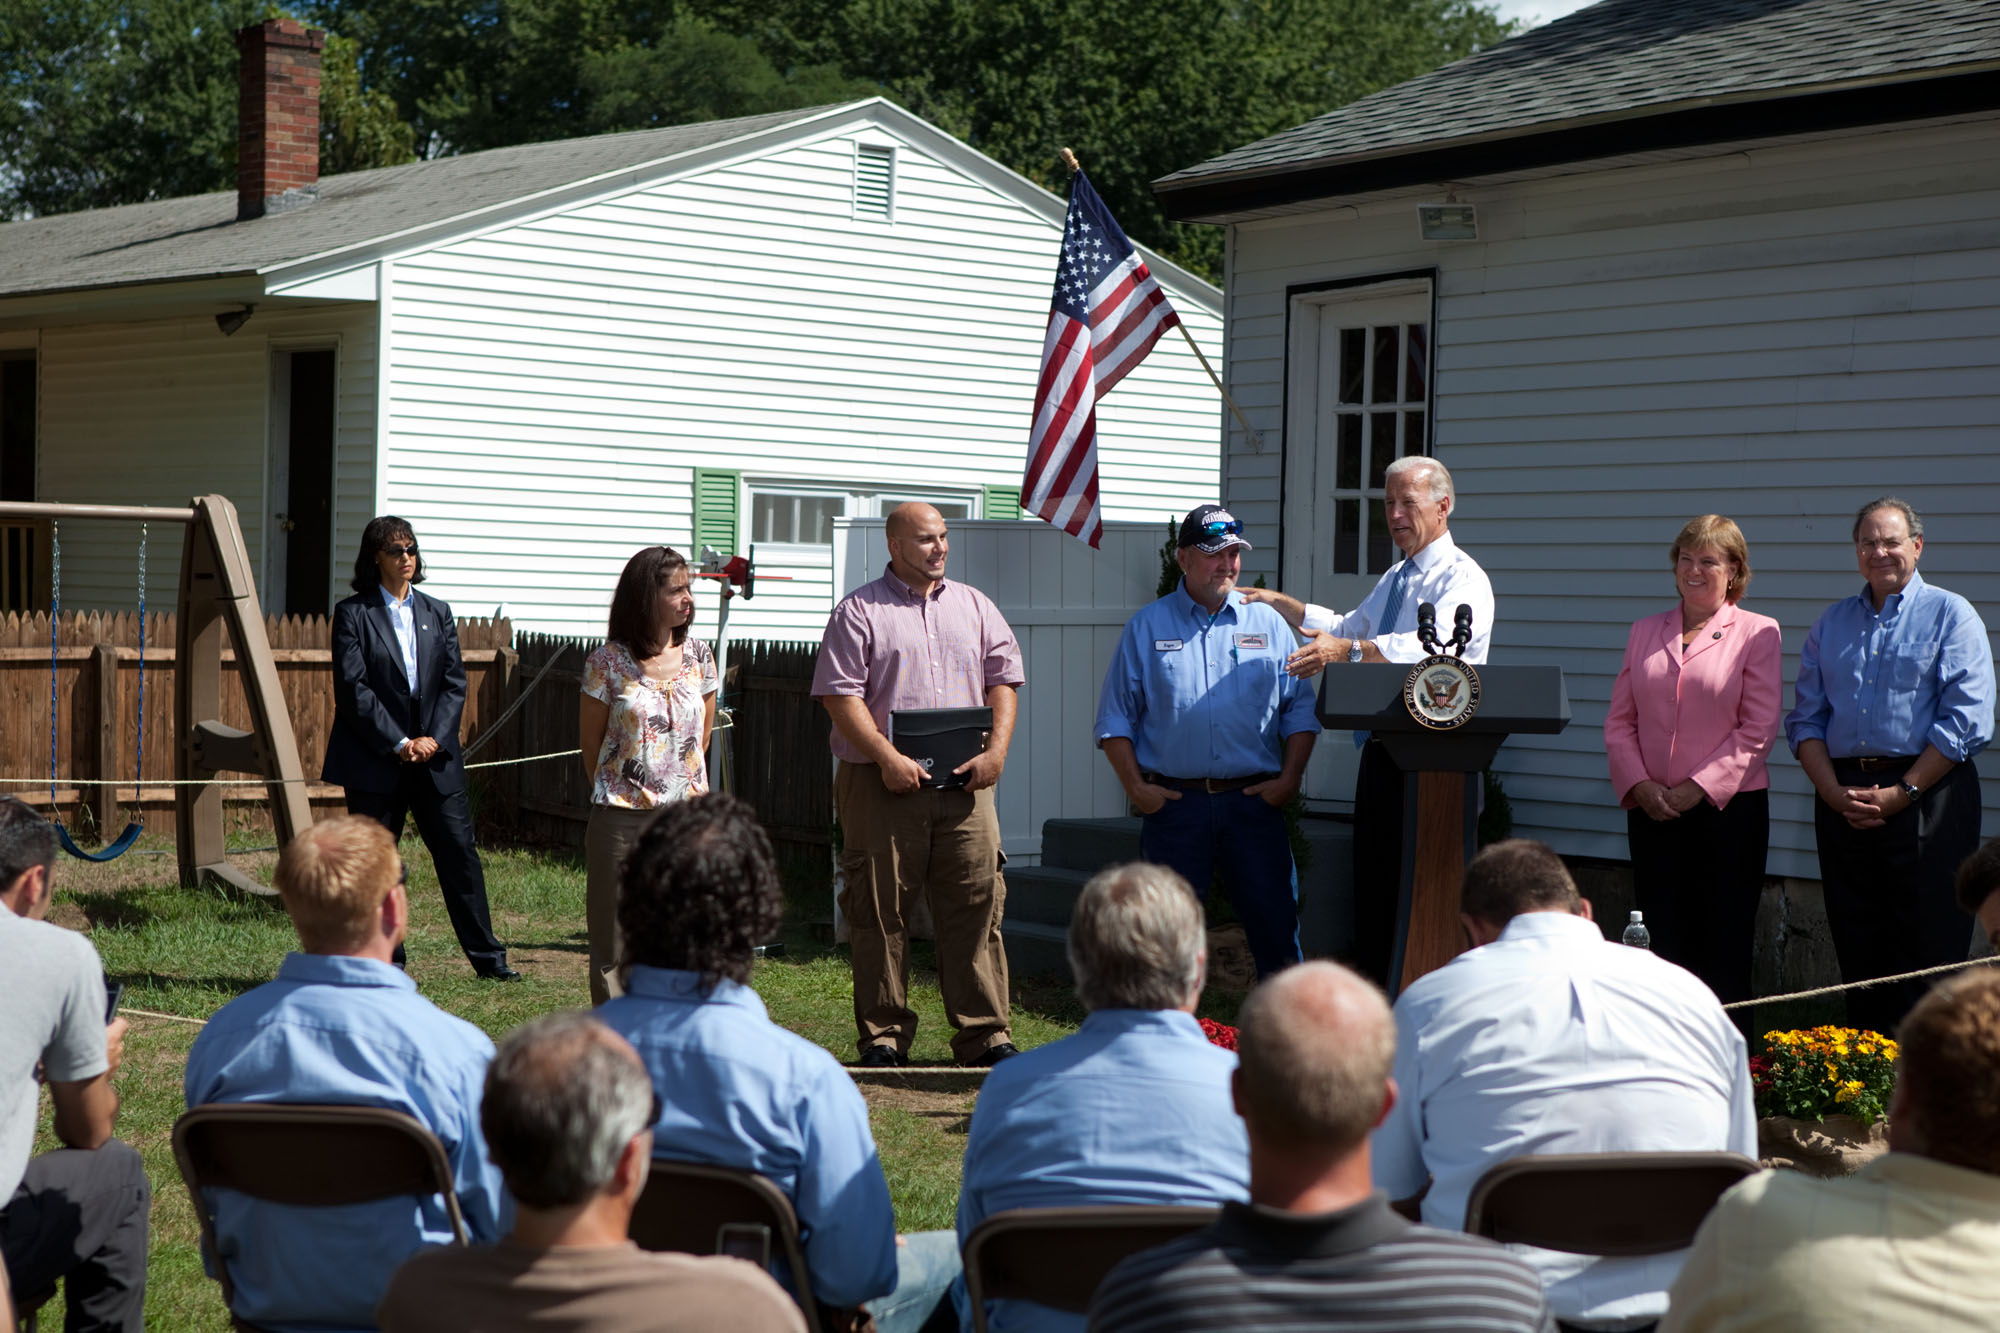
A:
[1107,314]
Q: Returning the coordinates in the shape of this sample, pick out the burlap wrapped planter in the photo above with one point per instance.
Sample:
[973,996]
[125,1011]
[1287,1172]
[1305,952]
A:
[1839,1145]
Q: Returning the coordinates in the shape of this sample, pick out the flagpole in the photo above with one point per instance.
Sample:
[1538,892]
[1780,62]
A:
[1256,440]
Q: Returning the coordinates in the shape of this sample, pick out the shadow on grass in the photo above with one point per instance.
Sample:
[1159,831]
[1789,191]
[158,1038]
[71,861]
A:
[124,909]
[166,982]
[567,944]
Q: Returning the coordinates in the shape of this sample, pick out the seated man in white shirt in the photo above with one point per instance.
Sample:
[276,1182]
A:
[1418,502]
[1548,1038]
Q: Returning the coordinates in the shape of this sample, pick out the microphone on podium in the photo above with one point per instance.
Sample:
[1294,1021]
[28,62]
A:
[1427,629]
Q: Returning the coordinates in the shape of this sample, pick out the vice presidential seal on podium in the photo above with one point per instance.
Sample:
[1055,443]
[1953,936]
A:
[1442,690]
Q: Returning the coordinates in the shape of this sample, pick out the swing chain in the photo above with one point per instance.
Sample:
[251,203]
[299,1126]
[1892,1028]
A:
[55,618]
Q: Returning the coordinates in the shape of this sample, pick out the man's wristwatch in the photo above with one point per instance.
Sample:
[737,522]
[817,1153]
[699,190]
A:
[1909,790]
[1354,650]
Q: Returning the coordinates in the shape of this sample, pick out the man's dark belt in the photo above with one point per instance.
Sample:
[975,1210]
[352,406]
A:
[1880,763]
[1210,785]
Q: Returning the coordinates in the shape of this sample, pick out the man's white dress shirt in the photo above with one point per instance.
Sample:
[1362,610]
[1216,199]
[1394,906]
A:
[1445,577]
[1552,1039]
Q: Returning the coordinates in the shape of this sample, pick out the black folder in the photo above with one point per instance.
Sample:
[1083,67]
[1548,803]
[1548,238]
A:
[940,739]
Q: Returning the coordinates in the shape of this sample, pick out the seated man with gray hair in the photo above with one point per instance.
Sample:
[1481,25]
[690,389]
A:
[1131,1109]
[1316,1246]
[568,1116]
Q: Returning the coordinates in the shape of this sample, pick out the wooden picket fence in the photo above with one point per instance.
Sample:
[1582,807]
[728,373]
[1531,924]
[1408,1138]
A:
[98,711]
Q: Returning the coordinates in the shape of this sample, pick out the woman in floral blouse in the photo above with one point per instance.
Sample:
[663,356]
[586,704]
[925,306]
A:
[644,719]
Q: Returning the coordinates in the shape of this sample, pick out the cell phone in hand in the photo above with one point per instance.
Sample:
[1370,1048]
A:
[745,1240]
[114,991]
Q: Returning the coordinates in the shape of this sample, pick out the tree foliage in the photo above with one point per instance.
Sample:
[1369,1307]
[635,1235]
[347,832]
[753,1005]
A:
[114,100]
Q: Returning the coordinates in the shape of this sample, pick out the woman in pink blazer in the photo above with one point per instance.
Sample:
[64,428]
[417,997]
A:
[1692,716]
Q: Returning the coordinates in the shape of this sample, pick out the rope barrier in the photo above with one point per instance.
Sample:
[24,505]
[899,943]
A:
[151,1013]
[255,782]
[1857,985]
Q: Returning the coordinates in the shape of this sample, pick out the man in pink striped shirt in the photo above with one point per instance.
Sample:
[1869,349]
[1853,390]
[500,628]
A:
[912,640]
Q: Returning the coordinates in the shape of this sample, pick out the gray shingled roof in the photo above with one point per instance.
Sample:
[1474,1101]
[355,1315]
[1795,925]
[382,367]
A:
[1630,58]
[199,236]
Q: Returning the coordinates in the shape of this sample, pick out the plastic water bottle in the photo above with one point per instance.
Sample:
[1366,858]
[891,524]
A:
[1636,933]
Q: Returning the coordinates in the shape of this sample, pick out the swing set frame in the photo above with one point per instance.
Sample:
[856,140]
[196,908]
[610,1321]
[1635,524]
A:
[216,592]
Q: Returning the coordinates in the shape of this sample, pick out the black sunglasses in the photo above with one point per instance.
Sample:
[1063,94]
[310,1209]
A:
[400,551]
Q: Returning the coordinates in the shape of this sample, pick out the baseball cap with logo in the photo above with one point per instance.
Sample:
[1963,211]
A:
[1211,528]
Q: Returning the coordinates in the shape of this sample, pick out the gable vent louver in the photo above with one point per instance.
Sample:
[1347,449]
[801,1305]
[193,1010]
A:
[874,182]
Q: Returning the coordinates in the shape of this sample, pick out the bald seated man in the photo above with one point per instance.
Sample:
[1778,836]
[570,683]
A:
[914,640]
[1316,1246]
[568,1115]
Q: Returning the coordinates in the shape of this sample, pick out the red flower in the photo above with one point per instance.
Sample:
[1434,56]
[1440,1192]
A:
[1220,1034]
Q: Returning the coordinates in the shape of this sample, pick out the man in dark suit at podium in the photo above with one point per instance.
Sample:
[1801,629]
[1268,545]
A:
[398,695]
[1418,500]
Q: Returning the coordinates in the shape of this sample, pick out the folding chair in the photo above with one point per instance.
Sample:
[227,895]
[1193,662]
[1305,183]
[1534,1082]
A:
[1612,1204]
[1057,1256]
[685,1205]
[310,1157]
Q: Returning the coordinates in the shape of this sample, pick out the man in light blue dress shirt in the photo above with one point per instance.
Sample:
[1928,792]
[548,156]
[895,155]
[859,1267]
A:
[1894,698]
[1210,736]
[700,893]
[1132,1109]
[343,1025]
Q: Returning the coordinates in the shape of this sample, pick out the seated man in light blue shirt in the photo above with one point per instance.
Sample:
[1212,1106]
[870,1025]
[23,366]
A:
[699,893]
[1135,1107]
[1547,1038]
[1894,698]
[343,1025]
[1210,736]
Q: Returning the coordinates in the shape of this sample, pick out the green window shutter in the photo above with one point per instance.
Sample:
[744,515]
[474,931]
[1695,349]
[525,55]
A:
[1001,502]
[717,493]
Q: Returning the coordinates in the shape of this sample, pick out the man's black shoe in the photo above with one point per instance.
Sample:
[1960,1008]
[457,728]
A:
[992,1055]
[882,1057]
[499,972]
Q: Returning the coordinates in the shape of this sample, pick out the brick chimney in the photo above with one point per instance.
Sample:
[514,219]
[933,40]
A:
[277,118]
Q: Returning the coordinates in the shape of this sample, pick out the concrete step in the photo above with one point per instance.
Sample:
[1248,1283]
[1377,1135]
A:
[1043,894]
[1090,845]
[1034,948]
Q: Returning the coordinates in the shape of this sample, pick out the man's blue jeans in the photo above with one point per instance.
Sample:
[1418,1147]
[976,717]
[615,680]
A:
[1246,837]
[925,1268]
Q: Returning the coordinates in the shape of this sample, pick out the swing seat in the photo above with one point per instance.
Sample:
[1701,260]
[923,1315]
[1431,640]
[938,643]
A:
[110,853]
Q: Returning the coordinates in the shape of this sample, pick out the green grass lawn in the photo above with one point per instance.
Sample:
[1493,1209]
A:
[185,953]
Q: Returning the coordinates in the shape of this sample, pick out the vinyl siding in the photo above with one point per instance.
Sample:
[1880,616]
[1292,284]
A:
[1777,335]
[151,413]
[556,383]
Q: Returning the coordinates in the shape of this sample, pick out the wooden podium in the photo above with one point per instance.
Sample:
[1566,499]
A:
[1441,789]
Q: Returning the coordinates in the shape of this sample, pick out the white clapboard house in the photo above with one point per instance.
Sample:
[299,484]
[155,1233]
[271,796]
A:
[551,355]
[1735,256]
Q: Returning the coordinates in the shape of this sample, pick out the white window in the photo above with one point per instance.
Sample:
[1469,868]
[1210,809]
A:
[802,514]
[874,182]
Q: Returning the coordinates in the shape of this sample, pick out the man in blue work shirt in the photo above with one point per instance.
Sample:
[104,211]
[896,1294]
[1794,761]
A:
[699,893]
[1134,1107]
[1209,735]
[1894,698]
[341,1024]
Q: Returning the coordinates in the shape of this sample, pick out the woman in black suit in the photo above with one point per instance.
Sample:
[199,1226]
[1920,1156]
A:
[398,694]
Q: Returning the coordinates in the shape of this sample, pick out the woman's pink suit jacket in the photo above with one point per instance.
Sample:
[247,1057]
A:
[1710,716]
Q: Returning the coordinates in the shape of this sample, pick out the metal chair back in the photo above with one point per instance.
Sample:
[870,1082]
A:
[685,1204]
[1611,1204]
[1057,1256]
[309,1156]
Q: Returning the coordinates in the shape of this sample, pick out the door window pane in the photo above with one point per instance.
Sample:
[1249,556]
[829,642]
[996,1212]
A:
[1385,365]
[1382,551]
[1346,536]
[1416,368]
[1413,433]
[1347,458]
[1381,447]
[1352,350]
